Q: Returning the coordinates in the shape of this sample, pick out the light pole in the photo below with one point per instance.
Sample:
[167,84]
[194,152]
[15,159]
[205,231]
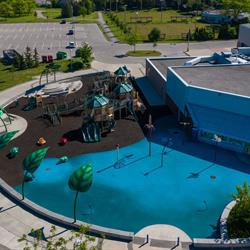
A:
[168,144]
[125,8]
[137,14]
[141,4]
[109,5]
[116,7]
[161,9]
[188,39]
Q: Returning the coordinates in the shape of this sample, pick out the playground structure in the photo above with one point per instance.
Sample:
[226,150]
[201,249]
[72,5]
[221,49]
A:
[107,97]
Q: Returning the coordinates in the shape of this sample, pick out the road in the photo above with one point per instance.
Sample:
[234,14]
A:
[49,38]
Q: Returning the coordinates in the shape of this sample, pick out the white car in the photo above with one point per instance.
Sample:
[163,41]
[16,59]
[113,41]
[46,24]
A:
[72,45]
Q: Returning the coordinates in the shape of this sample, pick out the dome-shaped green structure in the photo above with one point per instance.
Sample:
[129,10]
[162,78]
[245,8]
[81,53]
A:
[98,101]
[123,88]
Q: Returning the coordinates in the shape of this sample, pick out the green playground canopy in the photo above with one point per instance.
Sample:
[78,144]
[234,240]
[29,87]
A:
[98,101]
[121,71]
[123,88]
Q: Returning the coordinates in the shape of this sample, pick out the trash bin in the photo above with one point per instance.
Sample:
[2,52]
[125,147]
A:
[44,59]
[50,58]
[60,55]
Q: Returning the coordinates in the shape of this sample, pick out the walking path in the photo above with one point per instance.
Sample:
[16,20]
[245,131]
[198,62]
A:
[106,28]
[39,14]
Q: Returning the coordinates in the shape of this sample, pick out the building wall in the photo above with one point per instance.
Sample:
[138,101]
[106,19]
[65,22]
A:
[158,81]
[244,36]
[218,100]
[176,89]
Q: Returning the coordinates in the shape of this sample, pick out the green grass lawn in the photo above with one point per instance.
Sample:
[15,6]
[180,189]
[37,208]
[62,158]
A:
[52,14]
[172,30]
[10,77]
[144,53]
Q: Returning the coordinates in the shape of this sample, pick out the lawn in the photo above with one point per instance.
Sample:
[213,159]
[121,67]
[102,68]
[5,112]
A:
[144,53]
[172,29]
[10,77]
[52,14]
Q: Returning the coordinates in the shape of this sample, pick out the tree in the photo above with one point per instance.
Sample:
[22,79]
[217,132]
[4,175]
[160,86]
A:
[154,35]
[132,39]
[6,9]
[36,58]
[28,57]
[86,54]
[67,9]
[53,67]
[238,221]
[236,6]
[81,181]
[5,138]
[31,163]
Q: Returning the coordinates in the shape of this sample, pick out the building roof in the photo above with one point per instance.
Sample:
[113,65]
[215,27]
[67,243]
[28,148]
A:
[226,78]
[220,122]
[163,63]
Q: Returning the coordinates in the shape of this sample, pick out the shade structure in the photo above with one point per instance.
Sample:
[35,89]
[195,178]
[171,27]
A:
[126,68]
[98,101]
[121,72]
[123,88]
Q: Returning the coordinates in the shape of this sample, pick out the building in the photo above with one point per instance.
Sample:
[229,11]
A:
[211,94]
[244,35]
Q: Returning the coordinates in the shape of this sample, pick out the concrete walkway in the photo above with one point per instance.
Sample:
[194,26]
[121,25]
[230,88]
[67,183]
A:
[106,28]
[39,14]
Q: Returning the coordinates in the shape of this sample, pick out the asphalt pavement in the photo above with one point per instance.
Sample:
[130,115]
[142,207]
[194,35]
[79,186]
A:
[49,38]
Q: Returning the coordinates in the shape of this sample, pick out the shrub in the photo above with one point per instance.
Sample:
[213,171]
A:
[154,35]
[227,32]
[202,34]
[238,222]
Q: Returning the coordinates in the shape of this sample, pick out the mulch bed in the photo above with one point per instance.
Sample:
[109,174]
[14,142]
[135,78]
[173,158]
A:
[127,131]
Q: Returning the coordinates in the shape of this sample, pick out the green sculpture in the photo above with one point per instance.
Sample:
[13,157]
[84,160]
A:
[80,181]
[63,159]
[5,138]
[14,151]
[31,163]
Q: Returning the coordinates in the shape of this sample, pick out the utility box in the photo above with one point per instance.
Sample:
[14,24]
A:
[60,55]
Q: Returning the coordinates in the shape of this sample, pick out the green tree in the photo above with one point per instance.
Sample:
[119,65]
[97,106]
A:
[132,39]
[81,181]
[28,57]
[86,54]
[36,58]
[236,6]
[19,7]
[6,9]
[238,221]
[154,35]
[67,9]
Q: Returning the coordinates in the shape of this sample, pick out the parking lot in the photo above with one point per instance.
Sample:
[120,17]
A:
[48,38]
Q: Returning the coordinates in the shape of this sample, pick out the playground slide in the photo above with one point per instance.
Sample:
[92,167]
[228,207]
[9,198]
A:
[91,132]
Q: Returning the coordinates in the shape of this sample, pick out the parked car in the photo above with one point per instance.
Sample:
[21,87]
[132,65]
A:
[63,21]
[71,32]
[72,45]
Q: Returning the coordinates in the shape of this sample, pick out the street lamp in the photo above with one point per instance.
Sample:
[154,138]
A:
[168,144]
[109,5]
[141,4]
[188,39]
[161,9]
[125,8]
[116,5]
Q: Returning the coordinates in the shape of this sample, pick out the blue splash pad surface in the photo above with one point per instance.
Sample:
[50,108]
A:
[123,197]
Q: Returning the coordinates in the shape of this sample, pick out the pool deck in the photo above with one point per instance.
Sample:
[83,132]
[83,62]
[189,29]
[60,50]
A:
[15,222]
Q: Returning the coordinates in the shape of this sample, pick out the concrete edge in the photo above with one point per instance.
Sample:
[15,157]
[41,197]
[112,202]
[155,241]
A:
[60,219]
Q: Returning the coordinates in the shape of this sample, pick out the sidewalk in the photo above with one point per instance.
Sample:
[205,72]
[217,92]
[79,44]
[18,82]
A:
[106,28]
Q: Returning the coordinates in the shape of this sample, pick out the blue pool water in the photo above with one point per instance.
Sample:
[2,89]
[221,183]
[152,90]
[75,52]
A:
[125,198]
